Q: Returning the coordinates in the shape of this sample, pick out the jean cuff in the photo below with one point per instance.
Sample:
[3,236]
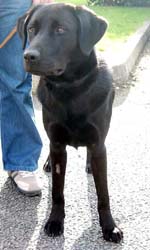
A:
[20,168]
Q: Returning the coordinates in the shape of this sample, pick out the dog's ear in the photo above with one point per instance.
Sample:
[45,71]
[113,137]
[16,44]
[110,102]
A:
[22,24]
[21,28]
[91,28]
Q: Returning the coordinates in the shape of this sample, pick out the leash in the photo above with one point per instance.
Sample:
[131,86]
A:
[10,35]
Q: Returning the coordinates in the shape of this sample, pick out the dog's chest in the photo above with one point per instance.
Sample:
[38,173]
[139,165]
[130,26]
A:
[76,127]
[75,120]
[86,135]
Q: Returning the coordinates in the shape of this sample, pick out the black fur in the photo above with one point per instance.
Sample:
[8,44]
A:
[76,93]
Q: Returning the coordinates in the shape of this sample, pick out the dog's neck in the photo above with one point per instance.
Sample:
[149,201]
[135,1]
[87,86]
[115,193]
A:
[76,70]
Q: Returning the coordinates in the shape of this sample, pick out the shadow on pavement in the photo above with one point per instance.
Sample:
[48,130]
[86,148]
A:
[17,219]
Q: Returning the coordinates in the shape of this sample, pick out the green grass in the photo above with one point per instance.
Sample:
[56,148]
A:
[123,21]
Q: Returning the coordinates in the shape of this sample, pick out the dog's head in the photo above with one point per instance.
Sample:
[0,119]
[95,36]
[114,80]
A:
[56,33]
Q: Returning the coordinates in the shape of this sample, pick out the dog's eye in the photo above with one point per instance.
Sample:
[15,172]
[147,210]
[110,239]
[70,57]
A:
[59,30]
[31,29]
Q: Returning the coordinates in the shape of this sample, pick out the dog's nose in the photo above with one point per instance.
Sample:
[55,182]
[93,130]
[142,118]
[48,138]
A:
[32,56]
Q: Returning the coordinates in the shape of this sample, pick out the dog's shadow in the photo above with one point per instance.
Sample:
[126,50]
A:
[18,217]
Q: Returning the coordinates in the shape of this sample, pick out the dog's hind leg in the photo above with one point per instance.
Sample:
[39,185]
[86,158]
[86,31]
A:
[88,162]
[47,165]
[55,224]
[99,169]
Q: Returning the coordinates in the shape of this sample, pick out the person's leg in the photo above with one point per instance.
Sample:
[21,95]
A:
[21,144]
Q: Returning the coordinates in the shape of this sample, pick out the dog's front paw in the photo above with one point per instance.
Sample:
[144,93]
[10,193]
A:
[114,235]
[54,228]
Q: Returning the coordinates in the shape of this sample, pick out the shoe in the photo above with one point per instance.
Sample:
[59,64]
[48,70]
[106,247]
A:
[26,182]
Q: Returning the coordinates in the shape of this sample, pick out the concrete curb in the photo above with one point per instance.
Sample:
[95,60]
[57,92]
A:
[122,64]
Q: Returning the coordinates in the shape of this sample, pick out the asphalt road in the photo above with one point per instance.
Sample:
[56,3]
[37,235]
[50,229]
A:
[128,145]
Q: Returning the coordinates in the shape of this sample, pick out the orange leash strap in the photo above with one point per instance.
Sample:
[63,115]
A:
[10,35]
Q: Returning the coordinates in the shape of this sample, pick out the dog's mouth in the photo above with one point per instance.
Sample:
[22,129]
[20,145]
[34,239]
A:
[44,72]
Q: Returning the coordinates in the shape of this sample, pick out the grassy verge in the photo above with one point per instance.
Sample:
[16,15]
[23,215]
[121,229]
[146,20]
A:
[123,21]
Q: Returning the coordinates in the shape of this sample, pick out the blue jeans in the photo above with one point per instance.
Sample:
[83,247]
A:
[21,143]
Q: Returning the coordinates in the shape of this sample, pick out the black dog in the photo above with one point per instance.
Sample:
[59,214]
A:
[76,93]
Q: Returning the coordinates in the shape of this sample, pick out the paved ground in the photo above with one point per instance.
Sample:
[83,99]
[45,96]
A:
[128,143]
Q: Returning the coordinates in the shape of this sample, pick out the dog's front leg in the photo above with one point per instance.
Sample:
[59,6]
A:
[99,168]
[55,224]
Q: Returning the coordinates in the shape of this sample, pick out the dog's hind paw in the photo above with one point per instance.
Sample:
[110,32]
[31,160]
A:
[115,235]
[54,228]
